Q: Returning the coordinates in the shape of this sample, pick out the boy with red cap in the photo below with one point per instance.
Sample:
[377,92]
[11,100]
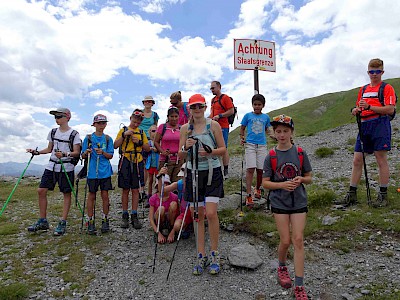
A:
[98,149]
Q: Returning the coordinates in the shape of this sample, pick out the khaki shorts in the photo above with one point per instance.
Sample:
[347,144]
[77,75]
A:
[255,155]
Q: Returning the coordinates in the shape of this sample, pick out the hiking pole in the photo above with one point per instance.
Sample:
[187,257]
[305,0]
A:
[70,184]
[195,165]
[241,213]
[158,223]
[97,178]
[178,239]
[86,186]
[358,117]
[16,184]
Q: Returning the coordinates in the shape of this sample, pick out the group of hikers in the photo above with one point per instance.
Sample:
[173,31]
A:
[184,162]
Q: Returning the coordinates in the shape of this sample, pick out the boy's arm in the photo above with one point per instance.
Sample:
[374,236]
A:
[43,151]
[241,134]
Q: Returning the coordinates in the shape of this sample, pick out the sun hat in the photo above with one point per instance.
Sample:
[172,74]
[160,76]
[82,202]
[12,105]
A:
[197,98]
[282,120]
[149,98]
[99,118]
[166,180]
[61,111]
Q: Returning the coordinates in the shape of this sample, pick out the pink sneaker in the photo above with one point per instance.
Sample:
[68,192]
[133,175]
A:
[284,278]
[299,293]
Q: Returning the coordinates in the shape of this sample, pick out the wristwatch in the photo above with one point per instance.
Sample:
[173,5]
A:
[220,116]
[183,149]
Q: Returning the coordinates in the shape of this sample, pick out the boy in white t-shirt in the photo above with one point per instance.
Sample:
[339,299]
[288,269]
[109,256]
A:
[64,144]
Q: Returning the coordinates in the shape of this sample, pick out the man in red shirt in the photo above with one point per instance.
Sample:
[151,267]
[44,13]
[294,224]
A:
[221,108]
[376,132]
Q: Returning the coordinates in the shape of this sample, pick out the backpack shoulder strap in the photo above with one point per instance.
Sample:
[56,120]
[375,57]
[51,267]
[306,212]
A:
[363,89]
[164,129]
[220,103]
[209,131]
[71,139]
[53,133]
[107,140]
[273,159]
[89,140]
[381,94]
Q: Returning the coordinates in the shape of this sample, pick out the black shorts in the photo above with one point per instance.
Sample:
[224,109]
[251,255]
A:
[128,174]
[103,183]
[289,212]
[216,189]
[50,178]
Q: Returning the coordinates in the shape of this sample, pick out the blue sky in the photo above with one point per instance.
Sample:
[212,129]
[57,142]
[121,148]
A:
[105,55]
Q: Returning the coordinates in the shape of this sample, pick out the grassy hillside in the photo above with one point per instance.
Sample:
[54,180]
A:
[319,113]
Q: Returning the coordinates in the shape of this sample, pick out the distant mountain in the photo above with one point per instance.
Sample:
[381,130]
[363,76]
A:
[16,169]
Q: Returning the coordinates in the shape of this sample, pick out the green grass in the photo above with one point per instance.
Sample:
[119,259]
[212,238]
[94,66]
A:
[324,152]
[14,291]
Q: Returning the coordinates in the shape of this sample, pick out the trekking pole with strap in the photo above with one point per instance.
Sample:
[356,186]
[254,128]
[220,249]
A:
[178,239]
[16,184]
[360,133]
[70,184]
[97,178]
[86,186]
[195,165]
[158,223]
[241,213]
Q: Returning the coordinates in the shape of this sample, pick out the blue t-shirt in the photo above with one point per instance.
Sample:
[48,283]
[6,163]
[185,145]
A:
[256,126]
[147,122]
[104,169]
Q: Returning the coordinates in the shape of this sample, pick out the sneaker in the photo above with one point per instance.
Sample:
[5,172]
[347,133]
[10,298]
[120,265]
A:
[135,221]
[349,199]
[257,194]
[202,263]
[299,293]
[226,174]
[381,200]
[61,228]
[284,278]
[125,220]
[214,267]
[249,201]
[91,227]
[105,225]
[40,225]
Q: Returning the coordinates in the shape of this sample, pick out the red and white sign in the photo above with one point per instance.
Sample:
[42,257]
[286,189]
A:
[254,55]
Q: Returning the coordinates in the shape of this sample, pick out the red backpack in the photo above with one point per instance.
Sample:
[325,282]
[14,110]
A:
[274,158]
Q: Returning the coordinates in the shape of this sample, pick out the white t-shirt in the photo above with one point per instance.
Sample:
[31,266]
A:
[61,142]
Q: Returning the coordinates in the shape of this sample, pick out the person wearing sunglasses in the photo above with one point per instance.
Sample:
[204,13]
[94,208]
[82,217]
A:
[221,108]
[375,130]
[183,107]
[65,145]
[132,141]
[201,140]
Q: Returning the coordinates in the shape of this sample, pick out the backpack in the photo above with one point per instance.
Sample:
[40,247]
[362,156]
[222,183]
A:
[274,159]
[165,129]
[70,141]
[381,97]
[185,110]
[127,142]
[156,118]
[231,118]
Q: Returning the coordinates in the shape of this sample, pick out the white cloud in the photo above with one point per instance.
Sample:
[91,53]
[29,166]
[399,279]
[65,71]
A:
[155,6]
[96,94]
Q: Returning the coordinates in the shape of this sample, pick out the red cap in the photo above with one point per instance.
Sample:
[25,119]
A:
[197,98]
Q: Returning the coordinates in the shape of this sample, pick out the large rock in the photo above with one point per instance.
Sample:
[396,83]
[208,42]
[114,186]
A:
[245,256]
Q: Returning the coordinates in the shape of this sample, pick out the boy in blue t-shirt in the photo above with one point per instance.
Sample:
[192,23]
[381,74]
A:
[257,124]
[99,149]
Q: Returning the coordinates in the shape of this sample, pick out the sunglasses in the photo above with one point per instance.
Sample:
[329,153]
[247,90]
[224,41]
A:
[147,101]
[138,114]
[283,119]
[197,105]
[154,130]
[58,116]
[375,72]
[212,88]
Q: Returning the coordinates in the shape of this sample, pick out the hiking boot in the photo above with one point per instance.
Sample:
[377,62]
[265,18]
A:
[105,225]
[202,263]
[40,225]
[125,220]
[284,278]
[91,227]
[61,228]
[299,293]
[257,194]
[249,201]
[214,267]
[135,221]
[349,199]
[381,200]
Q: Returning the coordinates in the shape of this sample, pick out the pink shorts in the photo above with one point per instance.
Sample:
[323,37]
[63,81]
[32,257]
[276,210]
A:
[188,218]
[153,171]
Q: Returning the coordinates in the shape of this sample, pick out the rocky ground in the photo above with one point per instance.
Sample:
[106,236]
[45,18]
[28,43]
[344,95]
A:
[123,268]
